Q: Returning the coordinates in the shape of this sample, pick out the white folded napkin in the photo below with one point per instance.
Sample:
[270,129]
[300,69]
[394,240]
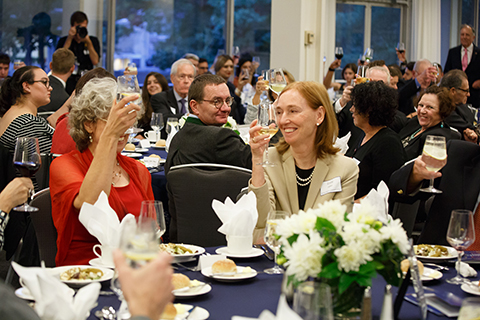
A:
[102,222]
[53,299]
[284,312]
[465,270]
[342,143]
[238,219]
[170,137]
[376,202]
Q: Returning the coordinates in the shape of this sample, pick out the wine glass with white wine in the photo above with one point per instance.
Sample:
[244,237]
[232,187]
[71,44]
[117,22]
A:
[271,240]
[127,85]
[435,157]
[276,80]
[172,123]
[267,119]
[460,235]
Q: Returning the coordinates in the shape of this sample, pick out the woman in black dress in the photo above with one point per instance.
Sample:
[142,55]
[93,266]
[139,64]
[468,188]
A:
[380,152]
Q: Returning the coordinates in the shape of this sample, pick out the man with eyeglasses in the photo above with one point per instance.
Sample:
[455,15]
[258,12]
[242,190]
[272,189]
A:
[202,139]
[174,102]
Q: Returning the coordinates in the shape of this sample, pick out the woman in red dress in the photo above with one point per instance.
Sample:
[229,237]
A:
[97,125]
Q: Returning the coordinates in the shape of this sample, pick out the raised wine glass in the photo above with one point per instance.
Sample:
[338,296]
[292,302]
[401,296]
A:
[271,239]
[368,54]
[436,74]
[267,119]
[154,209]
[157,124]
[172,123]
[435,157]
[401,47]
[127,85]
[460,235]
[27,160]
[339,53]
[276,80]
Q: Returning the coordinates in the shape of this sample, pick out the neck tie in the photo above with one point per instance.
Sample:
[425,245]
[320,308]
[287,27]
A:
[476,225]
[465,60]
[183,110]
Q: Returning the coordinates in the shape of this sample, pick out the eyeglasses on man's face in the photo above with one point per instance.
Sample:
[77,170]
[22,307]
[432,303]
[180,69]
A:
[218,103]
[464,90]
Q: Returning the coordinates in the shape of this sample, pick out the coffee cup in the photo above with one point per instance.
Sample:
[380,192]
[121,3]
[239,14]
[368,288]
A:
[151,136]
[106,254]
[239,244]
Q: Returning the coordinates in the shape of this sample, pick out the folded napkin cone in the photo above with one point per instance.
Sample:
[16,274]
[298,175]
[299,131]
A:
[375,203]
[238,219]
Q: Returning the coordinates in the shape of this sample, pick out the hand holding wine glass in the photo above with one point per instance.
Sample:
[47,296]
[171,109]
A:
[267,119]
[435,158]
[127,85]
[339,53]
[271,240]
[460,235]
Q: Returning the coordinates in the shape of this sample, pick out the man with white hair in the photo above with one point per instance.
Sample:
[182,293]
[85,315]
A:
[174,103]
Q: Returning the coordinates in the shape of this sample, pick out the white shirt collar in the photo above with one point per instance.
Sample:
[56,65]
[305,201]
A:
[178,97]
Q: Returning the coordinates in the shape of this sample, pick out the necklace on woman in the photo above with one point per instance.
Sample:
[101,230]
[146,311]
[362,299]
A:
[304,182]
[116,175]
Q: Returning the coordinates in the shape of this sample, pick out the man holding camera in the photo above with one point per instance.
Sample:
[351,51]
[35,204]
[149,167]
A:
[85,48]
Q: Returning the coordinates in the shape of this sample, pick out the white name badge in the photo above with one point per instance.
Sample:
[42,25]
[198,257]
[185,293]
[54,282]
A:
[145,144]
[334,185]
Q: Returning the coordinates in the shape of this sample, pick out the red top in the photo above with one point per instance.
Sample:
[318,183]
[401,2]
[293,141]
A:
[74,242]
[62,142]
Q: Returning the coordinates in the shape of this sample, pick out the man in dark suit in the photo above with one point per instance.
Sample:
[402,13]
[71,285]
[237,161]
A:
[173,103]
[466,57]
[202,139]
[462,117]
[62,66]
[459,183]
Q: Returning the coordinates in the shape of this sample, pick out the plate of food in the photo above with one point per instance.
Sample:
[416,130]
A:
[160,144]
[472,288]
[426,274]
[25,294]
[186,288]
[182,252]
[435,252]
[179,311]
[82,275]
[227,271]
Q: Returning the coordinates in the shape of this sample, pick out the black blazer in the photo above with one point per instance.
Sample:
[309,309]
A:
[459,183]
[58,95]
[461,118]
[406,94]
[454,61]
[166,104]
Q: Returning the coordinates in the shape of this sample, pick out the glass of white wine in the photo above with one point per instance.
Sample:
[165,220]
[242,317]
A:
[267,119]
[460,235]
[276,80]
[172,123]
[127,85]
[271,240]
[435,157]
[157,124]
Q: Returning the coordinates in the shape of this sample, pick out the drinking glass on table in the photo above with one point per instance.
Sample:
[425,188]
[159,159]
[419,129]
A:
[172,123]
[154,209]
[276,80]
[270,238]
[27,160]
[460,235]
[435,157]
[157,123]
[313,301]
[339,53]
[470,309]
[267,119]
[127,85]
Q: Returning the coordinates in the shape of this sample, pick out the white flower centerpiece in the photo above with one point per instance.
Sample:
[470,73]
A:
[346,250]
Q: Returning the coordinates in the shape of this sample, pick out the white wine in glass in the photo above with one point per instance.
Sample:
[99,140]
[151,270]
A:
[435,157]
[460,235]
[267,119]
[271,240]
[276,80]
[127,85]
[171,123]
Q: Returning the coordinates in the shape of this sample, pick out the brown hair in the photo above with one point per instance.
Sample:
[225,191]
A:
[220,61]
[163,82]
[197,88]
[445,100]
[316,96]
[62,61]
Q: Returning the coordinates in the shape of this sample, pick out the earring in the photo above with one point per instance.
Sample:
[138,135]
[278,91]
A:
[90,138]
[318,124]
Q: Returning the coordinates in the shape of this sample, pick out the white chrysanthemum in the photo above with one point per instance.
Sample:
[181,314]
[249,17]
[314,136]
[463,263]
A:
[304,256]
[332,210]
[367,238]
[362,213]
[395,232]
[351,257]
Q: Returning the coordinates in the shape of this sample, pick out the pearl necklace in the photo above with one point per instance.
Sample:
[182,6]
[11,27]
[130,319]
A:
[117,175]
[304,182]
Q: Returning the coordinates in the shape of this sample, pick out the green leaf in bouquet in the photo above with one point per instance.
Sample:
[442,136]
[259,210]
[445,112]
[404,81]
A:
[364,281]
[323,225]
[292,239]
[368,269]
[346,279]
[330,271]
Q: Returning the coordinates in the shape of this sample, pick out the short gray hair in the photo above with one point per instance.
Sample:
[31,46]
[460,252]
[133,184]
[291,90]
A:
[192,56]
[381,69]
[468,27]
[177,64]
[92,104]
[422,62]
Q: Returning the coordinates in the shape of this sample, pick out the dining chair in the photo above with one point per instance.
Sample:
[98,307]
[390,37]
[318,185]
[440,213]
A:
[7,171]
[44,227]
[191,190]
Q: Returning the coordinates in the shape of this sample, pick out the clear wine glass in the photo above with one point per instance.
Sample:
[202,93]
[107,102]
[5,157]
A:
[401,47]
[255,63]
[437,73]
[154,209]
[172,123]
[267,119]
[271,240]
[27,160]
[339,53]
[435,157]
[127,85]
[368,54]
[460,235]
[157,124]
[276,80]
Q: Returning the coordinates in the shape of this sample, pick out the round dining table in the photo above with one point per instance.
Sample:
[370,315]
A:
[250,297]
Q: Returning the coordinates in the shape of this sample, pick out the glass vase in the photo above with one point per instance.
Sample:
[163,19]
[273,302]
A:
[347,305]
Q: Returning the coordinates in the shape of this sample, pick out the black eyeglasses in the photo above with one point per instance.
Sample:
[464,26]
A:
[45,82]
[218,103]
[466,91]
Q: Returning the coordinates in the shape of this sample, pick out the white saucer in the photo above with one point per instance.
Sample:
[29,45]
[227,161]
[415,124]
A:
[431,274]
[132,154]
[141,150]
[239,276]
[97,262]
[472,289]
[255,252]
[24,293]
[193,291]
[156,147]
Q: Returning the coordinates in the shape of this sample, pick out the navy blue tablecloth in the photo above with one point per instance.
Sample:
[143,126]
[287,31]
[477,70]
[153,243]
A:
[249,298]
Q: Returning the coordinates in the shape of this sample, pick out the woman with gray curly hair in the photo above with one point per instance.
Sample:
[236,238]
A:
[97,125]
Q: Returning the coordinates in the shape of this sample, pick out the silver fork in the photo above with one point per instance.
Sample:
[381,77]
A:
[196,268]
[438,267]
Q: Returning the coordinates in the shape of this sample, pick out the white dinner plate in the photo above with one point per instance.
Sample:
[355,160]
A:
[193,291]
[97,262]
[141,150]
[239,276]
[189,256]
[132,154]
[24,293]
[471,288]
[431,274]
[107,275]
[255,252]
[157,147]
[200,313]
[451,251]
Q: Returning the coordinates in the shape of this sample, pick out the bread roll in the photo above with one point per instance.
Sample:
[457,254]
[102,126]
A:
[130,147]
[180,281]
[224,266]
[405,265]
[169,313]
[161,143]
[155,156]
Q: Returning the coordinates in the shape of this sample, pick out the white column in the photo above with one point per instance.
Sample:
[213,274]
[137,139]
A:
[426,31]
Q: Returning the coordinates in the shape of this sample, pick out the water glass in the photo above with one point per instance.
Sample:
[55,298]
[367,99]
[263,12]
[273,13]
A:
[153,209]
[470,309]
[313,301]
